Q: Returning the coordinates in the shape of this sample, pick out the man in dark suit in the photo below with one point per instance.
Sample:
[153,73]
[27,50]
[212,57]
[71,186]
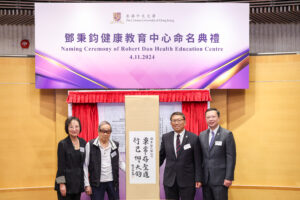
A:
[218,158]
[181,150]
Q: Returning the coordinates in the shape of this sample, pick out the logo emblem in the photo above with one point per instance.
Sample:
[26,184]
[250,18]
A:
[117,18]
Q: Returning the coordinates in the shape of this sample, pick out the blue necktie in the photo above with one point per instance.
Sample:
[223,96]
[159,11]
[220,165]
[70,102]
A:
[212,140]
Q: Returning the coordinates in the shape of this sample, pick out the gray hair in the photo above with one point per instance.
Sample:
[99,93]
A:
[103,123]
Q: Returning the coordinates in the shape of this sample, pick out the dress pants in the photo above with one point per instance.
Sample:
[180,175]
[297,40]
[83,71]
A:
[175,192]
[215,192]
[109,187]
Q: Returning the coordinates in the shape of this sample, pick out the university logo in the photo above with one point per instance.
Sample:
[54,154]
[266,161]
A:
[117,18]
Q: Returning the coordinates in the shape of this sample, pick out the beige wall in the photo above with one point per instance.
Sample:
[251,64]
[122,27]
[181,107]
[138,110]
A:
[31,124]
[263,118]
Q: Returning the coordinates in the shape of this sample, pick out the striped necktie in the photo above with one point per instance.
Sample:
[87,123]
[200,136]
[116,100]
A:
[177,143]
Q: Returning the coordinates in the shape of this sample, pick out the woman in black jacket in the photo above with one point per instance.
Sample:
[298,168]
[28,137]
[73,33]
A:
[70,159]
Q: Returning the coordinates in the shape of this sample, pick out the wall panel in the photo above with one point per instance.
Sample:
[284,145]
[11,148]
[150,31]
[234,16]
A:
[28,138]
[29,194]
[264,120]
[219,101]
[263,194]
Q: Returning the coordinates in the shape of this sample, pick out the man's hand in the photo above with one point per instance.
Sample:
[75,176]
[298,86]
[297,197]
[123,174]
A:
[198,184]
[63,189]
[227,183]
[88,190]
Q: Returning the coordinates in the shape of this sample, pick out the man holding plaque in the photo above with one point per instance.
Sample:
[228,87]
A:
[181,150]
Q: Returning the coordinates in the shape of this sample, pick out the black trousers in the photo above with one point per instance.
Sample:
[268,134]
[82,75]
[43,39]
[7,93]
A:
[68,196]
[215,192]
[175,192]
[109,187]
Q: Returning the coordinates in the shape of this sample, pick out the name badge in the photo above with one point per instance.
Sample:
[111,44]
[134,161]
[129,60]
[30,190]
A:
[218,143]
[81,149]
[113,154]
[187,146]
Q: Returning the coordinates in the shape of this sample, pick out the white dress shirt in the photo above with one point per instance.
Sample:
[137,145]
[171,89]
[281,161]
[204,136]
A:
[180,138]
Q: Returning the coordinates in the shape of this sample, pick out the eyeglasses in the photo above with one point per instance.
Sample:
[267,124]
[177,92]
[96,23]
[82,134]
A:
[105,131]
[177,120]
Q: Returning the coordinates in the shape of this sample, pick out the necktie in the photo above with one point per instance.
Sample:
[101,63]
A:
[212,139]
[177,143]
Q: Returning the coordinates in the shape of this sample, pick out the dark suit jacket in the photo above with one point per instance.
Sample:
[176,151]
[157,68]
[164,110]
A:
[218,163]
[186,168]
[70,166]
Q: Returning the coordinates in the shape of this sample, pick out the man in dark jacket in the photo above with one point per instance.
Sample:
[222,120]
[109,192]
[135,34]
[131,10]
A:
[101,167]
[219,155]
[181,150]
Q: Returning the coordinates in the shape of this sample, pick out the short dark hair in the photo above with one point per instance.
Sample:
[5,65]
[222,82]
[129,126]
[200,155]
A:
[68,121]
[213,109]
[103,123]
[177,113]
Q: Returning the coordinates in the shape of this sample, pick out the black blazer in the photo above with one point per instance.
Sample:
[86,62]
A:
[70,166]
[218,162]
[186,167]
